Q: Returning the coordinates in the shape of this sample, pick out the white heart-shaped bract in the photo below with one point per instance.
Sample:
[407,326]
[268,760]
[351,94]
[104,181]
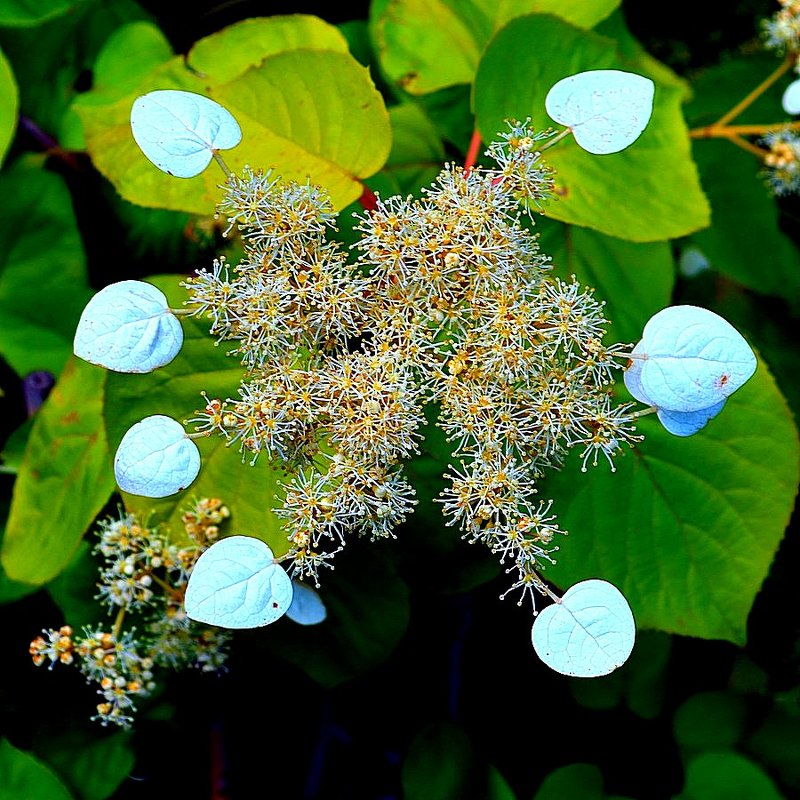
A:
[179,131]
[607,109]
[156,458]
[693,358]
[687,423]
[128,327]
[791,98]
[307,607]
[588,634]
[237,584]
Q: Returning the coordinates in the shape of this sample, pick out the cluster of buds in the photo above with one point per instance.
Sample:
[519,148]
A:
[144,577]
[782,161]
[782,29]
[449,302]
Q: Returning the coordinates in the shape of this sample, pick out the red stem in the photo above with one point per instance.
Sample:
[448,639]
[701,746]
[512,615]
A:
[368,200]
[472,151]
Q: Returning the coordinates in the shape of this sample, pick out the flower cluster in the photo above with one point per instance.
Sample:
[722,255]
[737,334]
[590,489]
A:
[144,575]
[449,302]
[782,162]
[782,29]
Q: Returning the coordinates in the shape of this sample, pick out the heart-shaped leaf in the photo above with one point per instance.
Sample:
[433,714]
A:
[588,634]
[128,327]
[156,458]
[791,98]
[237,584]
[180,131]
[307,607]
[607,109]
[687,423]
[692,359]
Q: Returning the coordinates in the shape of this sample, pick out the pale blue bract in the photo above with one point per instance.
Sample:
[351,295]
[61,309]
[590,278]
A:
[156,458]
[307,607]
[180,131]
[589,633]
[237,584]
[607,109]
[128,327]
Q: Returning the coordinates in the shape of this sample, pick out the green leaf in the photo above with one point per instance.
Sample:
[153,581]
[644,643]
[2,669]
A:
[43,284]
[745,218]
[73,589]
[710,721]
[305,106]
[9,105]
[441,765]
[23,776]
[417,152]
[426,45]
[573,781]
[648,192]
[368,613]
[27,13]
[65,478]
[174,390]
[634,278]
[686,528]
[776,743]
[727,776]
[231,52]
[50,59]
[10,590]
[131,51]
[92,768]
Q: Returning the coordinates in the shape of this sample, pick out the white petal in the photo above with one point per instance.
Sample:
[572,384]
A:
[791,98]
[179,131]
[307,607]
[128,327]
[694,359]
[237,584]
[607,109]
[687,423]
[588,634]
[155,458]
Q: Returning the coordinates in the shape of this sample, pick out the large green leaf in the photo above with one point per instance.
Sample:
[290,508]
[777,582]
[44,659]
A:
[93,768]
[9,103]
[648,192]
[305,106]
[23,776]
[25,13]
[686,528]
[174,390]
[425,45]
[43,284]
[726,775]
[65,478]
[634,278]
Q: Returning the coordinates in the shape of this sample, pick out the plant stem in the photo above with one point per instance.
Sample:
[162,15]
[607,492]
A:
[717,131]
[555,140]
[223,166]
[368,200]
[757,151]
[645,412]
[762,87]
[472,151]
[118,623]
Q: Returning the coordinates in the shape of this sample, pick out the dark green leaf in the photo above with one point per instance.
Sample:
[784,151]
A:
[686,528]
[23,776]
[64,480]
[710,721]
[727,776]
[572,782]
[43,284]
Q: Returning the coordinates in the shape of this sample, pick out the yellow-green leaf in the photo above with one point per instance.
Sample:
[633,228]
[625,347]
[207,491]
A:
[9,105]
